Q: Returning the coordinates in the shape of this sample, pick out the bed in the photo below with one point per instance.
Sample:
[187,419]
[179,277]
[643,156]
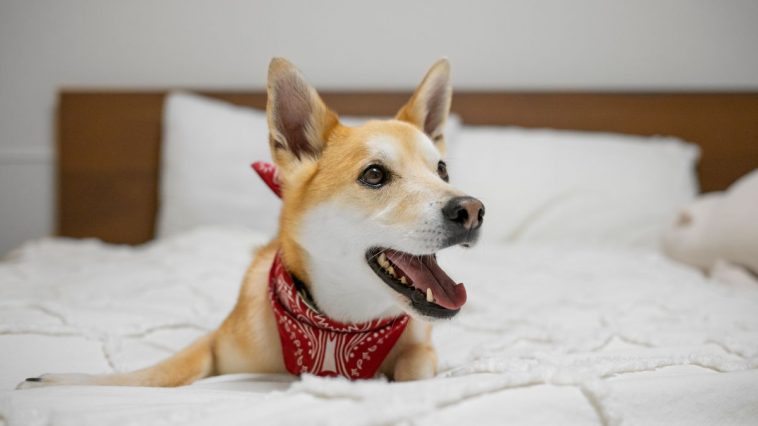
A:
[555,332]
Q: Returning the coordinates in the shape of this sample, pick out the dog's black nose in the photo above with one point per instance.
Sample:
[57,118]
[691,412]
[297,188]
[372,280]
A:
[466,212]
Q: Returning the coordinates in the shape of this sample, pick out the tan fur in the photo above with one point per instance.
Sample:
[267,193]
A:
[248,339]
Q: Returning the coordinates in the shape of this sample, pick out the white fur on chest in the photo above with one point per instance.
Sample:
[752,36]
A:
[337,234]
[342,283]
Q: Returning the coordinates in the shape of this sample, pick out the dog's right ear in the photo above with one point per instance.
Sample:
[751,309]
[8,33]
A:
[299,122]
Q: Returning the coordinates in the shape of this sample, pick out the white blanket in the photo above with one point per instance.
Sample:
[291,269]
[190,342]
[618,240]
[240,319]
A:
[550,335]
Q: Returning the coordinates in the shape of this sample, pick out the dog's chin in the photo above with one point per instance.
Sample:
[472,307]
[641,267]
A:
[423,287]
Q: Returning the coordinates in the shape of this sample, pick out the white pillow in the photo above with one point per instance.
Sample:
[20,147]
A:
[547,185]
[206,179]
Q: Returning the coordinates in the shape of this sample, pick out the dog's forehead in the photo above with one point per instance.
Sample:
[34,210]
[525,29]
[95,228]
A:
[394,141]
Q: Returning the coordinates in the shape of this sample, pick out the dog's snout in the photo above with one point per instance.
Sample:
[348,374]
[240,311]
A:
[466,212]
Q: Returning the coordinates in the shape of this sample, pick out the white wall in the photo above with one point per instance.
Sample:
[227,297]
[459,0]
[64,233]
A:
[535,44]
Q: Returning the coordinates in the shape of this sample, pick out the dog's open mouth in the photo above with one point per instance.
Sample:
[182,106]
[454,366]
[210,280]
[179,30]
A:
[429,289]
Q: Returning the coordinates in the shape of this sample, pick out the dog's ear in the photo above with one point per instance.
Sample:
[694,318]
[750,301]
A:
[299,122]
[429,106]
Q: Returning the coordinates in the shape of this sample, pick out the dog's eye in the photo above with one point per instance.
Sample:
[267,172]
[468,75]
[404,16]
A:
[442,171]
[374,176]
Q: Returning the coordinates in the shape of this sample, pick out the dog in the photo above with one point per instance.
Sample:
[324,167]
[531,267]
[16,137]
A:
[350,285]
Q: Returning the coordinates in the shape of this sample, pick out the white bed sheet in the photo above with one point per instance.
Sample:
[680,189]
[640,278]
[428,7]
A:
[550,335]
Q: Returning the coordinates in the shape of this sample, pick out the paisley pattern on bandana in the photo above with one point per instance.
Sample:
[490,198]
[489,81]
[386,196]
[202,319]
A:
[314,343]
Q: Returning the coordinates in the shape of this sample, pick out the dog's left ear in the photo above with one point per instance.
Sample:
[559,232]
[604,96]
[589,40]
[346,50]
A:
[429,106]
[299,122]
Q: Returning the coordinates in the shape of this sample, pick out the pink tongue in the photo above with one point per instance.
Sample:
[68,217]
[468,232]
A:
[425,273]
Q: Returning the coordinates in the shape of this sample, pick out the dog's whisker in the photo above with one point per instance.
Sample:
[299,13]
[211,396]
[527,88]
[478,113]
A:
[376,254]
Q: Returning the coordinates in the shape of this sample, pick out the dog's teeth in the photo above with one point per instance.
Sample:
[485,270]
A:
[391,270]
[429,295]
[382,259]
[403,280]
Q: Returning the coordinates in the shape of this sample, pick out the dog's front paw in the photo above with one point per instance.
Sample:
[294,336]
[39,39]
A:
[416,363]
[56,380]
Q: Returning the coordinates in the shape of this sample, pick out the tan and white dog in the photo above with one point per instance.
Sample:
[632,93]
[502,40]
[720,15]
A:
[364,211]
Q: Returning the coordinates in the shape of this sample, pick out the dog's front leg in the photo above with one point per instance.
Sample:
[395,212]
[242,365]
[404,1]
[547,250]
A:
[416,362]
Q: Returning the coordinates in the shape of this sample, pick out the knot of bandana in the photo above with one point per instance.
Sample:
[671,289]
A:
[268,172]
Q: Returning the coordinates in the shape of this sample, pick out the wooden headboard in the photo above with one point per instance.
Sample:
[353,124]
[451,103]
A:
[109,142]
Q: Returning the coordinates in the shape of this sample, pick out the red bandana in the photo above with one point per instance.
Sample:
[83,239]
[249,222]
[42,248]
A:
[314,343]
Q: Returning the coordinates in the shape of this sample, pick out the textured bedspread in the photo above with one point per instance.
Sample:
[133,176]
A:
[550,335]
